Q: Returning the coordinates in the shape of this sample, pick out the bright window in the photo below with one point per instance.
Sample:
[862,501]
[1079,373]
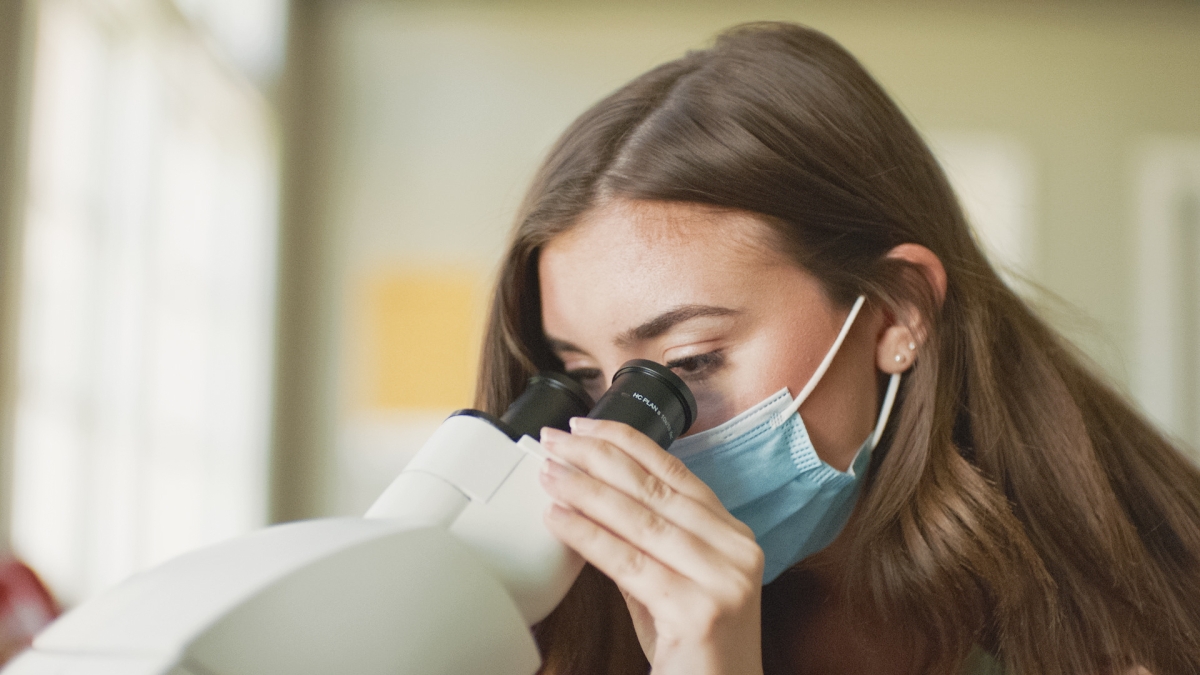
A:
[147,296]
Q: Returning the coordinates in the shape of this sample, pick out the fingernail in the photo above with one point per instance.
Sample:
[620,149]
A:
[552,470]
[549,435]
[584,424]
[557,511]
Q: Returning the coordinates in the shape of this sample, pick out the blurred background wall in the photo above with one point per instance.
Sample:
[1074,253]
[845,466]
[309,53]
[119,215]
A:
[251,279]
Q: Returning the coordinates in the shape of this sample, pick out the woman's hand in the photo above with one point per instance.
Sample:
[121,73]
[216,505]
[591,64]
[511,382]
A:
[690,572]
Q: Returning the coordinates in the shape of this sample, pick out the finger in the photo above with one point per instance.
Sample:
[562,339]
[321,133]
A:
[660,589]
[611,465]
[630,520]
[655,461]
[658,462]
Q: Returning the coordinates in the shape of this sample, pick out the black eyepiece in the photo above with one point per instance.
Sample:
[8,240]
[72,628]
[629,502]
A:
[650,398]
[550,400]
[645,395]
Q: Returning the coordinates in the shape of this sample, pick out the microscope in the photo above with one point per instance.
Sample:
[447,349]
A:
[446,572]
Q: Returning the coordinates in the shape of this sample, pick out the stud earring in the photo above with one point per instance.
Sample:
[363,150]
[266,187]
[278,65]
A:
[899,358]
[912,346]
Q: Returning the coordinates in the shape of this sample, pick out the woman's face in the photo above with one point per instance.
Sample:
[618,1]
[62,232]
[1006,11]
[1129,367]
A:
[705,292]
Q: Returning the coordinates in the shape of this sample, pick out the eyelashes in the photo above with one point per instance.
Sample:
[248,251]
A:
[585,376]
[698,366]
[694,367]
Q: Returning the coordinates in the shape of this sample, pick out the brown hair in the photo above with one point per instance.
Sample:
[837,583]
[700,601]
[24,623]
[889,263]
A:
[1021,504]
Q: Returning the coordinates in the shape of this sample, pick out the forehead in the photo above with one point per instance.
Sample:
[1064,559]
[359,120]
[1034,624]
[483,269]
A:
[675,224]
[626,261]
[662,233]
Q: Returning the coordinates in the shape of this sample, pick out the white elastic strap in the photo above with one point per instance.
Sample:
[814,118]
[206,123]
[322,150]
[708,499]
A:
[820,372]
[886,411]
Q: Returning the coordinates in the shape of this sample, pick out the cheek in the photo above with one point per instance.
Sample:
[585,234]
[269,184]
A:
[778,357]
[715,407]
[744,383]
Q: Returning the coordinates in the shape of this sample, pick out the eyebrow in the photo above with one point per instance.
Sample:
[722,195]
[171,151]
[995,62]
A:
[650,329]
[668,320]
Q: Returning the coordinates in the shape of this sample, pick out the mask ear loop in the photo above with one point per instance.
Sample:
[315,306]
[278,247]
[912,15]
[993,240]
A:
[825,362]
[885,412]
[889,399]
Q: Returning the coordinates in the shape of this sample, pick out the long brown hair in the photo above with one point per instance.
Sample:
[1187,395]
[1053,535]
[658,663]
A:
[1021,504]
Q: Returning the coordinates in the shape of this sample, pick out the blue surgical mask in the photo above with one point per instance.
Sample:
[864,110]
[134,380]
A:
[764,469]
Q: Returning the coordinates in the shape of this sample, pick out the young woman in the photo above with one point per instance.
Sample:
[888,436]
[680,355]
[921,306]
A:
[760,217]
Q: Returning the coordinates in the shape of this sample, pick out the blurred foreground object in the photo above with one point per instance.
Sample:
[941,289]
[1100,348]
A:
[25,607]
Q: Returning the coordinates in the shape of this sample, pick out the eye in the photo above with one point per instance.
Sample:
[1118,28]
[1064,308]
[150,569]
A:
[697,366]
[585,376]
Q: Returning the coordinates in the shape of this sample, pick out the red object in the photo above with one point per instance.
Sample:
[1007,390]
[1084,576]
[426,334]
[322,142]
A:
[26,607]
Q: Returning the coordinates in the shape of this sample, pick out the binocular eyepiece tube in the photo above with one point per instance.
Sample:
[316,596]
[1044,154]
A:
[645,395]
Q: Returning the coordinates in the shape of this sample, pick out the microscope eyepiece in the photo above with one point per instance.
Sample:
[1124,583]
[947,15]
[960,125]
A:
[550,400]
[650,398]
[645,395]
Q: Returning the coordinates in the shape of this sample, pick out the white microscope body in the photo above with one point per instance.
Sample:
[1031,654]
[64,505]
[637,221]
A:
[445,574]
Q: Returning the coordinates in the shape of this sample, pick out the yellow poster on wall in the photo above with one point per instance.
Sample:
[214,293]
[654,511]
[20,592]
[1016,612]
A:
[418,338]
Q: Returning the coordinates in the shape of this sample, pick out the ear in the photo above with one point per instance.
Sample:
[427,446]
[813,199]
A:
[901,340]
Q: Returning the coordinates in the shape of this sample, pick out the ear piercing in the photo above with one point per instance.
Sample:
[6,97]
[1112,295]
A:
[900,358]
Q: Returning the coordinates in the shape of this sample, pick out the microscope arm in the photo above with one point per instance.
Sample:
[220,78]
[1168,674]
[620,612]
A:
[473,480]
